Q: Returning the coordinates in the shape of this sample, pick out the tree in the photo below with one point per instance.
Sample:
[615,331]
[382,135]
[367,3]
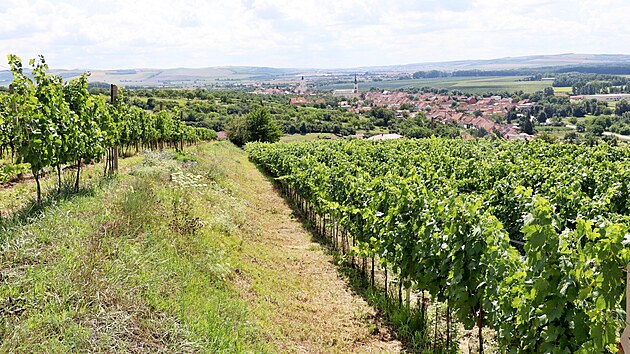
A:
[581,128]
[258,125]
[548,91]
[598,125]
[548,138]
[622,107]
[407,107]
[578,110]
[303,128]
[262,127]
[511,115]
[571,137]
[526,125]
[237,131]
[481,132]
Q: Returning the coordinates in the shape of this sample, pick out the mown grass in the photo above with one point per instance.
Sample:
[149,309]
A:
[290,282]
[413,325]
[135,263]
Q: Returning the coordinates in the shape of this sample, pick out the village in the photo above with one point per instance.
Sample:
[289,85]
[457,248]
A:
[471,112]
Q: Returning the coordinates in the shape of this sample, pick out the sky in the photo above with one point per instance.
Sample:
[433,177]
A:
[116,34]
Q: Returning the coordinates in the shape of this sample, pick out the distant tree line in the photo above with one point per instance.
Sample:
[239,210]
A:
[591,84]
[533,74]
[597,69]
[215,109]
[429,74]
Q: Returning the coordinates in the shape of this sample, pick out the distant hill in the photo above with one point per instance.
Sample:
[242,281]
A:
[186,76]
[231,75]
[532,61]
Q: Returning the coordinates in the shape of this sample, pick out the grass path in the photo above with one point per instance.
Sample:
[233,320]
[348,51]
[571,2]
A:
[292,284]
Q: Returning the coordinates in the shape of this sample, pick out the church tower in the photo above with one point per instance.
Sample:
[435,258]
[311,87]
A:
[301,88]
[356,85]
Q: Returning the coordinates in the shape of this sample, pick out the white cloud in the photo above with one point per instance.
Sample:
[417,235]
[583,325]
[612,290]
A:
[306,33]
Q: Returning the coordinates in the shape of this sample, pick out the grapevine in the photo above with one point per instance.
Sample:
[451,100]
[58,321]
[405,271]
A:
[524,238]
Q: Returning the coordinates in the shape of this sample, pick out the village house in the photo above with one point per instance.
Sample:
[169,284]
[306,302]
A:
[297,101]
[385,137]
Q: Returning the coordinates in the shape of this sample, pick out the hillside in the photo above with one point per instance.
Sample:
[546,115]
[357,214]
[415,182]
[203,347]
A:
[532,61]
[184,77]
[193,253]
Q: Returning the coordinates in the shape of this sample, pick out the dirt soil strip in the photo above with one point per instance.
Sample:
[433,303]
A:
[293,286]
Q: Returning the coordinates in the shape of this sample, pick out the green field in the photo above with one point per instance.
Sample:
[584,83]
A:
[581,120]
[568,90]
[558,132]
[551,128]
[292,138]
[475,85]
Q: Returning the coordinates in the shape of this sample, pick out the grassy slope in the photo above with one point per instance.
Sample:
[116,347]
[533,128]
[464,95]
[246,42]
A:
[146,262]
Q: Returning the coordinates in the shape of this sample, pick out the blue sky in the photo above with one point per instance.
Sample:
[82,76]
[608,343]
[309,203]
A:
[111,34]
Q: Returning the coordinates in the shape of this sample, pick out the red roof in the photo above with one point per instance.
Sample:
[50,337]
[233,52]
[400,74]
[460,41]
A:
[298,100]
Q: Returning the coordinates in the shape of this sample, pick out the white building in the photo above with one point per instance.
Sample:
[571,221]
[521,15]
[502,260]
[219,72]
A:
[350,93]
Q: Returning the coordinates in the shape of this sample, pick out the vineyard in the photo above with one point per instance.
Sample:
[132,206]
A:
[524,238]
[46,123]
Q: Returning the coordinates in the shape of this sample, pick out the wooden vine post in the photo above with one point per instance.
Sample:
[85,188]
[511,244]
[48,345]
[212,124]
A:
[372,270]
[480,327]
[386,294]
[408,297]
[14,104]
[624,346]
[181,118]
[114,156]
[15,122]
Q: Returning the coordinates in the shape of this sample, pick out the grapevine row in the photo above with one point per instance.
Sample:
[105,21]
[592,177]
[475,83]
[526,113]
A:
[446,216]
[45,122]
